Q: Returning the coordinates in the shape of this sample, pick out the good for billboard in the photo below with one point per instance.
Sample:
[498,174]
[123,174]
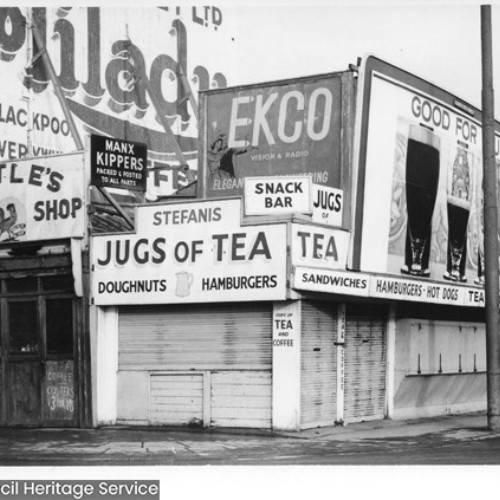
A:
[120,69]
[296,127]
[420,190]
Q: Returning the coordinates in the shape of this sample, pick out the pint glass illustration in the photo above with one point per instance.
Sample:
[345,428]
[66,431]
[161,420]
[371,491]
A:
[458,209]
[422,177]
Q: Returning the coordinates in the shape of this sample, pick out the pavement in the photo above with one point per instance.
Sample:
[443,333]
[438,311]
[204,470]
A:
[385,440]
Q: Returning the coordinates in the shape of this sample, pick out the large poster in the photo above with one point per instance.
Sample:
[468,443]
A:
[286,128]
[125,73]
[420,192]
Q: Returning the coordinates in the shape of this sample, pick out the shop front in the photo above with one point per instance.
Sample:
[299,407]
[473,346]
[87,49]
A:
[43,349]
[184,317]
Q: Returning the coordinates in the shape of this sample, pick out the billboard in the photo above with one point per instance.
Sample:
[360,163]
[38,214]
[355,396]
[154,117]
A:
[42,199]
[287,128]
[124,72]
[419,190]
[190,252]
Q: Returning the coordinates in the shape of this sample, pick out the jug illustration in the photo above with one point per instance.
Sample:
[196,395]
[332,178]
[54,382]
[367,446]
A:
[184,282]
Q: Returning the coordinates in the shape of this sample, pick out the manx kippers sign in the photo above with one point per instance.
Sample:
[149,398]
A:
[118,164]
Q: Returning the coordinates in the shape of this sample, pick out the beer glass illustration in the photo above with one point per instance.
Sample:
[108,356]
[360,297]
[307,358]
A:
[422,177]
[480,246]
[458,209]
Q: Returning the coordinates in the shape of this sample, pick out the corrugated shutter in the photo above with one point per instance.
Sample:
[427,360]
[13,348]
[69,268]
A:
[241,399]
[365,362]
[176,398]
[200,337]
[318,364]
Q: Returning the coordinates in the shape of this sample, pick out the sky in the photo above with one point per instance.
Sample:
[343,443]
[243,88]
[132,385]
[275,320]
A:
[440,43]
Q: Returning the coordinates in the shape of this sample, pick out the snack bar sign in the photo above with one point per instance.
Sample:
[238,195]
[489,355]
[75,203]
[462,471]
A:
[42,199]
[118,164]
[185,253]
[278,195]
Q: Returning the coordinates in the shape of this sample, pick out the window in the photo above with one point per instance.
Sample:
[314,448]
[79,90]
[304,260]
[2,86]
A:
[23,327]
[59,326]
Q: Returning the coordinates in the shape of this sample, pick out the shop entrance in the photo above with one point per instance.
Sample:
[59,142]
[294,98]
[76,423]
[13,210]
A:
[37,352]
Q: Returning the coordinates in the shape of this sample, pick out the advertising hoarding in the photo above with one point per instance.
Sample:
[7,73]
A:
[42,199]
[190,252]
[112,64]
[419,195]
[287,128]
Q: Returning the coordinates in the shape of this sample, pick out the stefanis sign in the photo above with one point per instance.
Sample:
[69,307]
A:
[190,252]
[118,164]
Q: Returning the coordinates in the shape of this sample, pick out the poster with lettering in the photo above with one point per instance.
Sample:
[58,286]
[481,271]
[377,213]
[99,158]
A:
[292,127]
[118,164]
[420,193]
[42,199]
[187,253]
[126,73]
[59,391]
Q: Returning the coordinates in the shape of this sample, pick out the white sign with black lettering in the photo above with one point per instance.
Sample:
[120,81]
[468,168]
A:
[278,195]
[386,287]
[42,198]
[328,205]
[316,246]
[323,280]
[190,252]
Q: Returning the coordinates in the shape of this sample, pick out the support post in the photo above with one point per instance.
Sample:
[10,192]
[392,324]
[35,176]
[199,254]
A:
[490,225]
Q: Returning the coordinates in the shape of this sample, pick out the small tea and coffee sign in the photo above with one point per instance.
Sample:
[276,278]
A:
[118,164]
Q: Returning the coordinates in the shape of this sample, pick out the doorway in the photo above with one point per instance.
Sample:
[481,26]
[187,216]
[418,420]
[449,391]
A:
[39,376]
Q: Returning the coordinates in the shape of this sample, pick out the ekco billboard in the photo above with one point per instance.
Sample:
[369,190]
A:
[293,127]
[419,192]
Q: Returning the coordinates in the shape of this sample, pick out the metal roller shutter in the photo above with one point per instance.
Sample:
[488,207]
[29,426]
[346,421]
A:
[365,362]
[318,364]
[225,347]
[200,337]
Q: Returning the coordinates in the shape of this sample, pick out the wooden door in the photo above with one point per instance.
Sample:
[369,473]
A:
[23,367]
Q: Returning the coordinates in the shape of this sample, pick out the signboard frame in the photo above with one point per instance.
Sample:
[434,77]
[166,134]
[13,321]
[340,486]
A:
[444,123]
[304,201]
[120,169]
[54,210]
[347,112]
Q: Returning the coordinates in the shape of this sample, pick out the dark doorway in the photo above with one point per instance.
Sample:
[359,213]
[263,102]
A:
[38,352]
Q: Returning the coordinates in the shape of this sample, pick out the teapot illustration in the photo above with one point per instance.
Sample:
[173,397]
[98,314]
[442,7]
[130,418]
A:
[184,282]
